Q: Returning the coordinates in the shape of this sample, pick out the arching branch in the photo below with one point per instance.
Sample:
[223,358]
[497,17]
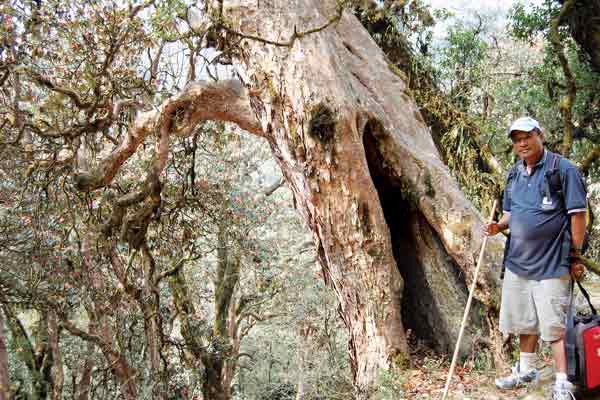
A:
[199,101]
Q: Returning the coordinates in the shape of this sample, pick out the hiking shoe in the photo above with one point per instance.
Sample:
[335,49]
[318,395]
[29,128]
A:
[563,390]
[516,379]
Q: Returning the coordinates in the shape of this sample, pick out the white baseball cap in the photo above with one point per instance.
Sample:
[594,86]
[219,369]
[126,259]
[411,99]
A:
[524,124]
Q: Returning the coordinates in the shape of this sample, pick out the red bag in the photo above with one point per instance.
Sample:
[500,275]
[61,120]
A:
[582,346]
[589,341]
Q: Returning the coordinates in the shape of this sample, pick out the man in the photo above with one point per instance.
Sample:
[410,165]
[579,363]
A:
[547,230]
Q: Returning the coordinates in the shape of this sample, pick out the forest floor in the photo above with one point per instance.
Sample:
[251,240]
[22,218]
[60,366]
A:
[471,384]
[472,380]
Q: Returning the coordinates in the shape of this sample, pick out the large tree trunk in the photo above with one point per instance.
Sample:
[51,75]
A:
[360,162]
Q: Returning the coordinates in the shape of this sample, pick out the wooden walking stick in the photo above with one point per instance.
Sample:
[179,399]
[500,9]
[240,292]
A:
[468,306]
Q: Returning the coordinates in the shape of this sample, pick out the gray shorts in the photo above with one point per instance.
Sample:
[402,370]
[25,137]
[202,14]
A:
[532,307]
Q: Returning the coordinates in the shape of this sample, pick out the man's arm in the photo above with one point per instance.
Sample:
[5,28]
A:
[496,227]
[578,225]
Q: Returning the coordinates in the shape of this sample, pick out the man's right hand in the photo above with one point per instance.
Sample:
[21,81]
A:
[492,229]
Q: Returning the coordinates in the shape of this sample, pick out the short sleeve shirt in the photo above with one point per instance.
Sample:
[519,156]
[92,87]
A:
[540,236]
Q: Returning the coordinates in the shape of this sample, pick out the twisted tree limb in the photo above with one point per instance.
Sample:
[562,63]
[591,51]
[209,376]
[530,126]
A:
[199,101]
[70,93]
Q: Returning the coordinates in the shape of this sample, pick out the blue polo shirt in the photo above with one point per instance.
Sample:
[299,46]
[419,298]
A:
[540,234]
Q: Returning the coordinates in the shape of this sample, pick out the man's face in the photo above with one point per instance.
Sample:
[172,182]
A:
[529,146]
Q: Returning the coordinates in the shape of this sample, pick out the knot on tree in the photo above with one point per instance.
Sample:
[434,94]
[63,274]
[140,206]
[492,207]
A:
[134,226]
[322,123]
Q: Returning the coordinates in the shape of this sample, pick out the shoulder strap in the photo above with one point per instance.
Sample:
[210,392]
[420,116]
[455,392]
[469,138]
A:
[510,180]
[570,339]
[554,159]
[553,182]
[587,297]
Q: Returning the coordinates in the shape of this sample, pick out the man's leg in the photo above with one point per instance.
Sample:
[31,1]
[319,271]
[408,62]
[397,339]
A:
[528,343]
[559,355]
[525,371]
[518,316]
[552,302]
[563,389]
[527,355]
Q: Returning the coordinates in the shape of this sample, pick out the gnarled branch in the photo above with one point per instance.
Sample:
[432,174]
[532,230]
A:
[74,96]
[199,101]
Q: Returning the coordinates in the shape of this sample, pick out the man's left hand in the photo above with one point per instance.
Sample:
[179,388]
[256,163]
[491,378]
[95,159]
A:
[577,271]
[577,266]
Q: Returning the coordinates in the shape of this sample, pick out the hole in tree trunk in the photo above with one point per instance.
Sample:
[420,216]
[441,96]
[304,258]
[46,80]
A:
[434,294]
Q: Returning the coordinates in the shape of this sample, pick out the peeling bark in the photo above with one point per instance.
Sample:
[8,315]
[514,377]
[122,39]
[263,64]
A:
[200,101]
